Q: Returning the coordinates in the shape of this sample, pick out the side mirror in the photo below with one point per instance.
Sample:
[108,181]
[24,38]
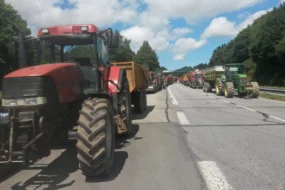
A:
[114,40]
[12,48]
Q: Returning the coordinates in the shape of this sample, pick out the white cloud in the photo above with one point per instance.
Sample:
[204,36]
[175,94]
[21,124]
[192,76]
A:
[153,20]
[282,1]
[221,26]
[102,13]
[195,10]
[251,18]
[179,57]
[138,34]
[185,45]
[150,24]
[179,32]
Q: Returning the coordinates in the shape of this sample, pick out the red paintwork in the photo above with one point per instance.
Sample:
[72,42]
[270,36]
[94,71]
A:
[66,77]
[68,29]
[114,77]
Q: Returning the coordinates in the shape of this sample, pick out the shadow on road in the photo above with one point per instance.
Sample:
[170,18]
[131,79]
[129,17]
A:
[51,176]
[54,173]
[144,114]
[121,157]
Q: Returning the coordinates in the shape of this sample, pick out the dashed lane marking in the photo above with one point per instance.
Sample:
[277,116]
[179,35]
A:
[213,176]
[182,118]
[174,101]
[249,109]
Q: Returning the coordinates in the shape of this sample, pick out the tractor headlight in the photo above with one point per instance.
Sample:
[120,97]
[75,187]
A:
[30,101]
[45,31]
[24,102]
[9,102]
[84,28]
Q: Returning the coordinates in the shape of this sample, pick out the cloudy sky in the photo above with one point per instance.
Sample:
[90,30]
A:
[183,32]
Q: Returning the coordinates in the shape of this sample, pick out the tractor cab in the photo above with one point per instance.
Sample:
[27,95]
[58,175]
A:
[233,69]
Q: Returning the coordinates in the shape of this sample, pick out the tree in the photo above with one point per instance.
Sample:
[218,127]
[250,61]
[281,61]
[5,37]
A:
[8,19]
[147,56]
[123,53]
[261,46]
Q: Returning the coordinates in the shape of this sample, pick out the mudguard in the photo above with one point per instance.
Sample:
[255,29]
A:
[115,79]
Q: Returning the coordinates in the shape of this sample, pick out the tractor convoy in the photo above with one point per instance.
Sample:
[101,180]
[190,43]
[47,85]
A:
[84,98]
[227,80]
[88,98]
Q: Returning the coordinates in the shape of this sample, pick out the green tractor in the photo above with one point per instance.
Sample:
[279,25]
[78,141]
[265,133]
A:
[233,81]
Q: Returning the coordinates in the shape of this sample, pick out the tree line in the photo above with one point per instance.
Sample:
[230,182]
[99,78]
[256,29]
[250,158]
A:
[11,22]
[261,46]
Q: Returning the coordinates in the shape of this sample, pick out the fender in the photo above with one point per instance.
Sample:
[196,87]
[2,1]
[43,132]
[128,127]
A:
[115,79]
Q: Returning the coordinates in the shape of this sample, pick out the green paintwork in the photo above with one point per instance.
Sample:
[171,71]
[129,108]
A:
[241,75]
[223,78]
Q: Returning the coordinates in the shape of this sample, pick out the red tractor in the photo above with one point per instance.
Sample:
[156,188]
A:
[196,79]
[79,95]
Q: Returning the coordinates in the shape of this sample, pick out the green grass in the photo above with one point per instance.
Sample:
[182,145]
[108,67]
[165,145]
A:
[277,87]
[272,96]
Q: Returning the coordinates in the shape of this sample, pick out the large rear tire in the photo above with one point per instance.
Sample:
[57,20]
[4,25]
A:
[139,102]
[126,107]
[255,92]
[96,137]
[229,90]
[219,87]
[144,100]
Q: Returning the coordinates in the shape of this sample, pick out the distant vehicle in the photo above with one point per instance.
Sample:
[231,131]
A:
[229,80]
[196,79]
[155,82]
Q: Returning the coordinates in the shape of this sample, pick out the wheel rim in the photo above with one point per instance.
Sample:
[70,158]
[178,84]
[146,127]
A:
[128,109]
[217,88]
[108,136]
[226,92]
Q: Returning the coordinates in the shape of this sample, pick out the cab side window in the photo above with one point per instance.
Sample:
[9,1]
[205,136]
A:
[102,52]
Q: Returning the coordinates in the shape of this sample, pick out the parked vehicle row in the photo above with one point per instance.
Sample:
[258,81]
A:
[82,98]
[227,80]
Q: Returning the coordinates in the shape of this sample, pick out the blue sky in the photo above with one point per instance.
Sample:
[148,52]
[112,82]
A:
[183,32]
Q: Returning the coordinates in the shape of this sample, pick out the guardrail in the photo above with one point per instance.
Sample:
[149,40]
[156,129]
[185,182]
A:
[272,90]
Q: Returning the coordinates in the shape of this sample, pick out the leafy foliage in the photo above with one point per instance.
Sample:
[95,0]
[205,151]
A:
[186,69]
[261,46]
[9,19]
[147,56]
[123,53]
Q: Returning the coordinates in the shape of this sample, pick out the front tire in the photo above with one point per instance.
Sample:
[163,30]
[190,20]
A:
[255,92]
[219,87]
[139,102]
[96,137]
[229,90]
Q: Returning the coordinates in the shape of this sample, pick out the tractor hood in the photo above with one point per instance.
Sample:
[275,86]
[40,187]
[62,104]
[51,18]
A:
[241,75]
[40,70]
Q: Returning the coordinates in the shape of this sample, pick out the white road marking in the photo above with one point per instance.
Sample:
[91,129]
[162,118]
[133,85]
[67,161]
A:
[174,101]
[246,108]
[252,110]
[277,118]
[182,118]
[225,101]
[213,176]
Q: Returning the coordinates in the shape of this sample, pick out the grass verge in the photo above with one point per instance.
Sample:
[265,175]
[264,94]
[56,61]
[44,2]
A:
[272,96]
[274,87]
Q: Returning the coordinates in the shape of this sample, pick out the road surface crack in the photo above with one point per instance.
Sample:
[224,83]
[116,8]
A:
[167,107]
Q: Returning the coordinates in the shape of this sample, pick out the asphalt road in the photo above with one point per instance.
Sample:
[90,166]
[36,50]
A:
[187,139]
[155,158]
[240,140]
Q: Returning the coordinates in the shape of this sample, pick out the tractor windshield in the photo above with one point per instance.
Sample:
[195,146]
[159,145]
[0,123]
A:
[233,70]
[198,76]
[79,49]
